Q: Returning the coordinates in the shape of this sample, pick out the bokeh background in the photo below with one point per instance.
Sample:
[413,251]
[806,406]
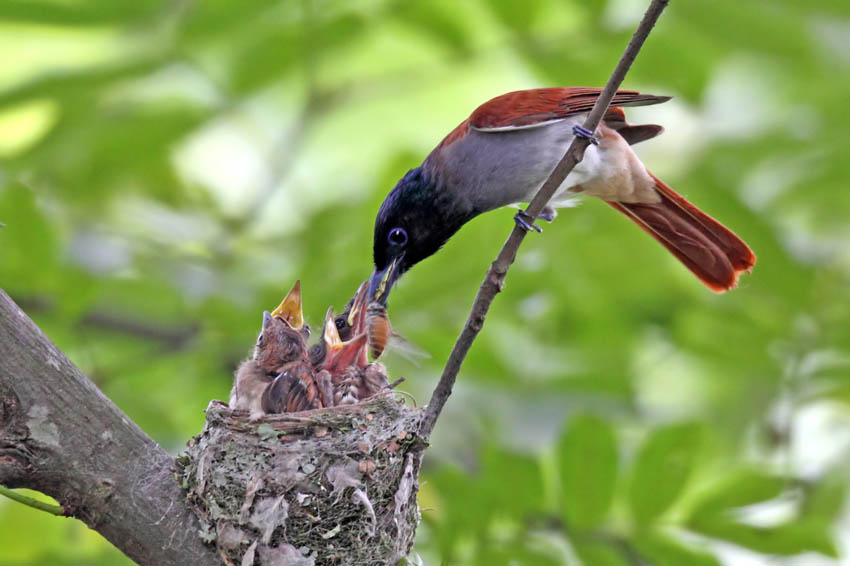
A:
[169,168]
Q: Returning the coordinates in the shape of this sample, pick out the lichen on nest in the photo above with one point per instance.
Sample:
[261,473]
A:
[332,486]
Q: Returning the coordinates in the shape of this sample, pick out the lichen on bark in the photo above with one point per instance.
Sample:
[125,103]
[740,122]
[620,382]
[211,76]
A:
[324,487]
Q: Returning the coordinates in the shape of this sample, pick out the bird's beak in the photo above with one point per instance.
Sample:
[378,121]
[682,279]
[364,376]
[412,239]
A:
[348,353]
[382,281]
[357,315]
[331,335]
[338,354]
[290,309]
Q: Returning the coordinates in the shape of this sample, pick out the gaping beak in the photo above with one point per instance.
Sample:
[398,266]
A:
[331,336]
[349,353]
[382,282]
[357,314]
[338,354]
[290,309]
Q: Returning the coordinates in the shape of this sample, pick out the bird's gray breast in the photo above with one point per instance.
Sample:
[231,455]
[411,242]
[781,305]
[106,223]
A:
[496,168]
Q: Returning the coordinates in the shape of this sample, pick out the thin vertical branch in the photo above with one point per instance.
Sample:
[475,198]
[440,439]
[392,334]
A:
[495,277]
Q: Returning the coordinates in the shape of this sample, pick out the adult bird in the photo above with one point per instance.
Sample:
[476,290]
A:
[504,152]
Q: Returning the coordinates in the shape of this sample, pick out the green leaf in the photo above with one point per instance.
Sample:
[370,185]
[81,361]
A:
[594,553]
[75,13]
[715,517]
[662,469]
[517,550]
[825,499]
[662,550]
[267,55]
[439,21]
[27,241]
[66,85]
[587,454]
[791,538]
[744,487]
[517,16]
[500,468]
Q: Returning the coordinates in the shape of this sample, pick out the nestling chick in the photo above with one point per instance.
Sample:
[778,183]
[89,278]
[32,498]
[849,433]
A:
[281,342]
[348,323]
[277,345]
[291,312]
[296,389]
[374,381]
[338,354]
[248,387]
[358,384]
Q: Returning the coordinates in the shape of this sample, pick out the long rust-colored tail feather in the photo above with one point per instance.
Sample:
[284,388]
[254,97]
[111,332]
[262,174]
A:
[710,250]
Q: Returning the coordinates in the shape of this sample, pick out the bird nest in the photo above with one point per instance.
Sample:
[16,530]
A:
[329,486]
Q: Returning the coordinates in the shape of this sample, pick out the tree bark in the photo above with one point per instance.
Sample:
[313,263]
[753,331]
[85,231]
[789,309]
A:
[61,436]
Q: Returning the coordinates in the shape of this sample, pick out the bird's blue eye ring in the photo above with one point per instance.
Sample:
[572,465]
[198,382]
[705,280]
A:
[397,236]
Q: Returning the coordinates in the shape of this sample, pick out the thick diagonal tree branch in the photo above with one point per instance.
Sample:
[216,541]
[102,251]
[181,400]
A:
[60,435]
[495,277]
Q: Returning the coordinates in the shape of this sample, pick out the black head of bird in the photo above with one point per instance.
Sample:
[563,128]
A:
[415,220]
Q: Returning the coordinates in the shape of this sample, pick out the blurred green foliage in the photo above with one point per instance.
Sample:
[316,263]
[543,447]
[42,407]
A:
[168,169]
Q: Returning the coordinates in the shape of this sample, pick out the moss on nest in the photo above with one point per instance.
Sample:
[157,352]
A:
[324,487]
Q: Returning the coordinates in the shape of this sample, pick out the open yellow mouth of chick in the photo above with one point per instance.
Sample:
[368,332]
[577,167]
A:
[289,309]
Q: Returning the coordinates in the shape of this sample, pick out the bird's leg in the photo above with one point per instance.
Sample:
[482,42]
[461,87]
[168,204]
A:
[548,214]
[582,132]
[526,222]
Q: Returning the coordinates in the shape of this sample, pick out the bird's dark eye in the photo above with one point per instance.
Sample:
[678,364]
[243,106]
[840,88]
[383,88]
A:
[397,236]
[260,339]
